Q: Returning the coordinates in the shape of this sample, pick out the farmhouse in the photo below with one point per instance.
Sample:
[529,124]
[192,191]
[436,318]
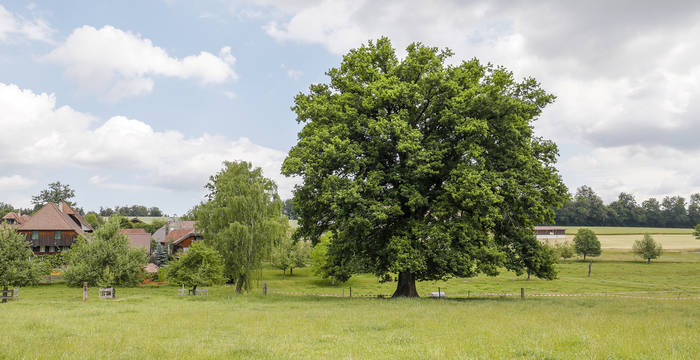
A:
[14,220]
[177,235]
[54,228]
[138,238]
[549,232]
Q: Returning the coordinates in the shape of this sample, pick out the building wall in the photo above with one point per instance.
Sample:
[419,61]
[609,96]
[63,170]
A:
[47,243]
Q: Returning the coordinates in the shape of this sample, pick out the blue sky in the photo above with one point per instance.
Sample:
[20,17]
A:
[183,86]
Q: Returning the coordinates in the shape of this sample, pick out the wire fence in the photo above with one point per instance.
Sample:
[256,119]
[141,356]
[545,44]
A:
[644,295]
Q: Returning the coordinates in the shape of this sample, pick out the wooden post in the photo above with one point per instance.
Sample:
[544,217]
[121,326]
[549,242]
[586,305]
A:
[84,291]
[439,293]
[4,294]
[589,268]
[522,293]
[264,288]
[350,291]
[469,293]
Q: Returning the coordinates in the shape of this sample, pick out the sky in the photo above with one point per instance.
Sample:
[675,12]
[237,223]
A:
[140,102]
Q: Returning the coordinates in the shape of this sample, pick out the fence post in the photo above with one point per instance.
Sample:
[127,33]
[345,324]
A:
[350,291]
[522,293]
[84,291]
[469,293]
[264,288]
[439,293]
[4,294]
[589,268]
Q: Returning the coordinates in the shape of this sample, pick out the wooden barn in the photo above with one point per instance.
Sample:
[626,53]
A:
[550,232]
[54,228]
[177,235]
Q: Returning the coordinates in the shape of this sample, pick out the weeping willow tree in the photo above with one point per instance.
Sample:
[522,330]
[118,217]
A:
[241,219]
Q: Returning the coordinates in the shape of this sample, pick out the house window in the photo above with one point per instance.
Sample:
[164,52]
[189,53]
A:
[57,235]
[35,235]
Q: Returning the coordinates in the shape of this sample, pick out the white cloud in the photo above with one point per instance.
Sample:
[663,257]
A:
[15,182]
[231,95]
[293,74]
[40,135]
[13,27]
[624,72]
[121,64]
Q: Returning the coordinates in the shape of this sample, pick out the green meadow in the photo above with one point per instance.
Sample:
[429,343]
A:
[631,310]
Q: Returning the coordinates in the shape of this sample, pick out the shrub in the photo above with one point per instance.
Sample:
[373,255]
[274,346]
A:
[647,248]
[586,243]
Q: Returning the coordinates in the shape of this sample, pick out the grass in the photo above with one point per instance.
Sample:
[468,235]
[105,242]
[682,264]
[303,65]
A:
[51,321]
[613,230]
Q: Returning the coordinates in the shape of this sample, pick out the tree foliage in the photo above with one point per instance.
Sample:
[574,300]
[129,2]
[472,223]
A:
[588,209]
[241,218]
[17,266]
[647,248]
[586,243]
[423,169]
[160,256]
[697,232]
[288,209]
[201,265]
[94,219]
[105,259]
[289,254]
[55,193]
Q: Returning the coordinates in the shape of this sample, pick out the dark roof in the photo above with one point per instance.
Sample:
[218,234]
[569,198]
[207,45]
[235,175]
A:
[18,220]
[549,228]
[54,217]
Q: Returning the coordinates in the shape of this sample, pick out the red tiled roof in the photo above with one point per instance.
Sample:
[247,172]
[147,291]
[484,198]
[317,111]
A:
[138,238]
[54,217]
[177,235]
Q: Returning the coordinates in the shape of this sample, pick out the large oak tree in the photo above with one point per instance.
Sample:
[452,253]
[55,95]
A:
[423,169]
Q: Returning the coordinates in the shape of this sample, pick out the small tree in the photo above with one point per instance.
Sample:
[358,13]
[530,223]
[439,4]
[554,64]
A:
[94,219]
[564,250]
[647,248]
[697,232]
[106,259]
[201,265]
[288,254]
[319,258]
[160,255]
[17,266]
[586,243]
[300,254]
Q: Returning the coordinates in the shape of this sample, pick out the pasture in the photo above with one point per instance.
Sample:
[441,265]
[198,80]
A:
[622,238]
[659,317]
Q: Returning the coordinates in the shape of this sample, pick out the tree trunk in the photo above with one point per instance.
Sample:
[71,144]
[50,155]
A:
[406,286]
[194,290]
[528,274]
[284,273]
[584,256]
[4,294]
[290,272]
[239,284]
[649,261]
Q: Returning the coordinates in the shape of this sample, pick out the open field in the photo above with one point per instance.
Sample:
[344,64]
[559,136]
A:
[625,242]
[612,230]
[51,321]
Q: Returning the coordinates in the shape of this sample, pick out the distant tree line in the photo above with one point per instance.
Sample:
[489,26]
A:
[7,208]
[133,210]
[587,209]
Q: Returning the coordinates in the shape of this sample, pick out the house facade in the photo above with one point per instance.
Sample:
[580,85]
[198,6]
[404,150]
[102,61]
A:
[177,235]
[54,228]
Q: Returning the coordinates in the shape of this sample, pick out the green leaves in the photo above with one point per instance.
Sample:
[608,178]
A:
[241,219]
[647,248]
[105,259]
[422,167]
[586,243]
[201,265]
[17,266]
